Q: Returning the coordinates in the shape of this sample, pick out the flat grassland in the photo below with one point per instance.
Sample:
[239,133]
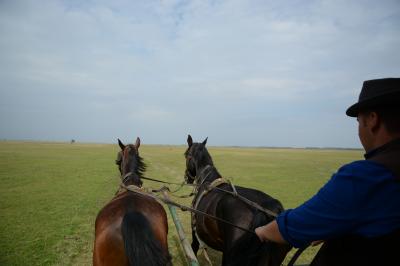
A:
[50,193]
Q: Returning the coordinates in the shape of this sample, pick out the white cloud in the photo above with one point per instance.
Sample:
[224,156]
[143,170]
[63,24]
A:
[182,60]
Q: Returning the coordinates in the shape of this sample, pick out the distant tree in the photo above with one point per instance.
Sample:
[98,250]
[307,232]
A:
[72,141]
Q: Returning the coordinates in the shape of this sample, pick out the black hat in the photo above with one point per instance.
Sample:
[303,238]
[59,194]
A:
[377,93]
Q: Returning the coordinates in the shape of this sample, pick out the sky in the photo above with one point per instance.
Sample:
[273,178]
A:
[242,73]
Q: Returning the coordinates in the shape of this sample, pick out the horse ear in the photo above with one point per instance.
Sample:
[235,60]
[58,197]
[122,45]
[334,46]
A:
[205,141]
[137,144]
[189,140]
[121,145]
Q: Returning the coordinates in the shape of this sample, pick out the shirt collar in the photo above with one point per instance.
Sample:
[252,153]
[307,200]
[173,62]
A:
[382,148]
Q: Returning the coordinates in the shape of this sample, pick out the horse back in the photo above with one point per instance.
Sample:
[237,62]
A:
[108,238]
[221,236]
[261,198]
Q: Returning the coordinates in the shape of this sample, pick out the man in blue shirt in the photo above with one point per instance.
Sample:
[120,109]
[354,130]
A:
[357,212]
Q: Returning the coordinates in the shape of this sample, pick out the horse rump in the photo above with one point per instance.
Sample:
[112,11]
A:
[141,246]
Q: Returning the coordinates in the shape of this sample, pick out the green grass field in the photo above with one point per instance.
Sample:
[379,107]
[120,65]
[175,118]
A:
[50,193]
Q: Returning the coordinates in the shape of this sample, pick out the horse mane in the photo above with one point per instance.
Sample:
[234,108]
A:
[141,166]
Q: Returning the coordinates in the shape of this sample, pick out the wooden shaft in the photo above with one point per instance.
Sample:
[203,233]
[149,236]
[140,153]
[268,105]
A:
[187,248]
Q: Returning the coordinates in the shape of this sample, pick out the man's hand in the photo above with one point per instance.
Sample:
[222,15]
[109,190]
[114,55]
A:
[259,233]
[270,232]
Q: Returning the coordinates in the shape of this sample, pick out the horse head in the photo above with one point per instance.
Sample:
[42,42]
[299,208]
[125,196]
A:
[130,164]
[196,157]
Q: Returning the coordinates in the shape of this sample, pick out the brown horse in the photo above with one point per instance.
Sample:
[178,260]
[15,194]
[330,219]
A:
[132,228]
[238,246]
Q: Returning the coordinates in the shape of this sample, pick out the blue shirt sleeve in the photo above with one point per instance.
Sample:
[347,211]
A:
[335,209]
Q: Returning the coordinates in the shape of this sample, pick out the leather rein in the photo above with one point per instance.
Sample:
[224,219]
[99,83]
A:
[166,200]
[163,199]
[233,193]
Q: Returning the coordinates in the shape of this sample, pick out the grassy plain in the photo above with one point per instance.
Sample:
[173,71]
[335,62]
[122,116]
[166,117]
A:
[50,193]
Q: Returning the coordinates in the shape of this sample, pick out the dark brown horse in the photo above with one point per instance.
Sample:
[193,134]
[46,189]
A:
[238,247]
[132,228]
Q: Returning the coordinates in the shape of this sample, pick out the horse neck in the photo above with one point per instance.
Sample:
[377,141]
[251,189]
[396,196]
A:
[131,178]
[207,173]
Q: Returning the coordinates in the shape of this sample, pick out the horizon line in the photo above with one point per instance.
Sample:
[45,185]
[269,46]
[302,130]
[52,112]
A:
[159,144]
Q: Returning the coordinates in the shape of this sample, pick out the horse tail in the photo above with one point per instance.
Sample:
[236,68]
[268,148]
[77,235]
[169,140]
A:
[141,246]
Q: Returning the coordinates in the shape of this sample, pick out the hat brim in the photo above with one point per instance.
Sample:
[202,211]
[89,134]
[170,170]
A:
[383,100]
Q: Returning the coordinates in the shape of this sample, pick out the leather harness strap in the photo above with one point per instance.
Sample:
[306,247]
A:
[215,183]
